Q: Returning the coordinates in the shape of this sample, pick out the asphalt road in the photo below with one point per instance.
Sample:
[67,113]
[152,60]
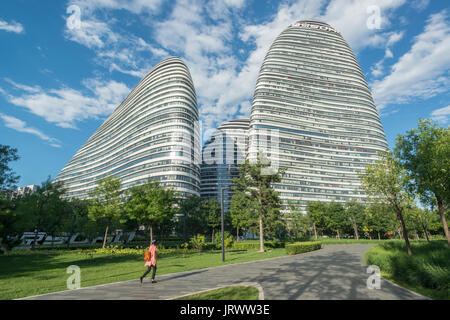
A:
[335,272]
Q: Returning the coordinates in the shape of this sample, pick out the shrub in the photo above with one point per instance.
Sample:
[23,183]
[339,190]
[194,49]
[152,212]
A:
[428,267]
[254,245]
[198,242]
[228,241]
[301,247]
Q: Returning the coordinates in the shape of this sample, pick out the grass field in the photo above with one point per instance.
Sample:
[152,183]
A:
[427,271]
[30,274]
[228,293]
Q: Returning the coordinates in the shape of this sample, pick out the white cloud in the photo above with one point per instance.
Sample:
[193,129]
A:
[442,115]
[66,106]
[23,87]
[116,49]
[21,126]
[11,27]
[420,5]
[422,72]
[134,6]
[350,18]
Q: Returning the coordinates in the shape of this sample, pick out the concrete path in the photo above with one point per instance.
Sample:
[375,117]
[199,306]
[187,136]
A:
[334,272]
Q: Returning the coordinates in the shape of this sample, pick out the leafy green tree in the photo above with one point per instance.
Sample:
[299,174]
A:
[356,213]
[44,209]
[151,204]
[296,221]
[196,219]
[256,180]
[78,211]
[105,202]
[379,218]
[12,223]
[317,212]
[336,217]
[8,178]
[425,154]
[384,181]
[242,211]
[213,211]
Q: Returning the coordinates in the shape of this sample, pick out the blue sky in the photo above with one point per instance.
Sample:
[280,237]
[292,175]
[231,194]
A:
[66,65]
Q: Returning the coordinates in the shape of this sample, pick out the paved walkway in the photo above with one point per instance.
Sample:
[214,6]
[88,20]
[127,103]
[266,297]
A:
[334,272]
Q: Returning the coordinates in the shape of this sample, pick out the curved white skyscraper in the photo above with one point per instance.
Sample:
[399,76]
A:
[153,134]
[312,100]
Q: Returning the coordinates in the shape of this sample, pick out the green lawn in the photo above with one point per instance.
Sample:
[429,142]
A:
[228,293]
[427,271]
[29,274]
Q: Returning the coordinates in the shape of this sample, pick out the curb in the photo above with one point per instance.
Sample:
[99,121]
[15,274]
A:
[245,284]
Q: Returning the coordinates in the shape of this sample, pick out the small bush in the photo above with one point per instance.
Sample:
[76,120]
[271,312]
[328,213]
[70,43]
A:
[198,242]
[228,241]
[301,247]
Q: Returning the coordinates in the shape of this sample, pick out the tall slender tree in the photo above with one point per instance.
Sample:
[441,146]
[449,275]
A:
[384,181]
[355,212]
[257,179]
[105,202]
[425,154]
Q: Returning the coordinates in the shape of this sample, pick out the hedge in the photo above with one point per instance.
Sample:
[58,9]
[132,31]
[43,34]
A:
[301,247]
[254,245]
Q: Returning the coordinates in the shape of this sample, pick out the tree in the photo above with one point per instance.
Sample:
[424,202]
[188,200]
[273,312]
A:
[43,209]
[8,178]
[296,220]
[151,204]
[355,212]
[316,212]
[213,211]
[256,180]
[11,223]
[336,218]
[105,202]
[195,216]
[379,217]
[243,214]
[384,181]
[425,154]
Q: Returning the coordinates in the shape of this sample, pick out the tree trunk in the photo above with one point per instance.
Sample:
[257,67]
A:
[315,230]
[355,228]
[444,221]
[106,235]
[35,239]
[237,234]
[424,229]
[379,237]
[261,234]
[405,232]
[338,235]
[212,235]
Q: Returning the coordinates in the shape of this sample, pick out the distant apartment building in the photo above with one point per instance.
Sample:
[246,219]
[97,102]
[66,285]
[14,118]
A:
[222,153]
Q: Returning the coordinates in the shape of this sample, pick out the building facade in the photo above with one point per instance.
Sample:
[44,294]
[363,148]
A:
[221,155]
[152,135]
[313,114]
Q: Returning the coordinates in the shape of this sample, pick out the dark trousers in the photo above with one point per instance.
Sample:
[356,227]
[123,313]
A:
[148,271]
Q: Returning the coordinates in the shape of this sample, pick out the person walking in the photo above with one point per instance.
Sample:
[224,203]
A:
[151,262]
